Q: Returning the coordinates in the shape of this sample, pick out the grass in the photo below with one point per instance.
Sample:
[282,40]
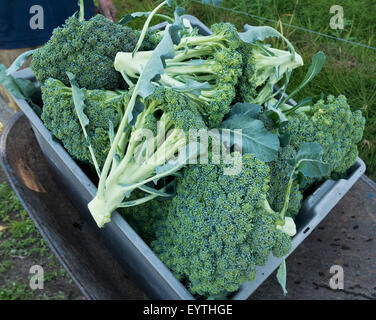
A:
[21,246]
[349,70]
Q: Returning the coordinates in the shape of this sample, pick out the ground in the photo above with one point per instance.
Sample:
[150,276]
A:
[21,246]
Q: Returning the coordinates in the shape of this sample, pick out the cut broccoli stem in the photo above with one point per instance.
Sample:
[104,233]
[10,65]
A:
[288,191]
[102,207]
[210,41]
[114,145]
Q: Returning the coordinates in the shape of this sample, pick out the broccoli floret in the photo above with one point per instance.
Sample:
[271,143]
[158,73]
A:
[333,125]
[211,61]
[143,157]
[151,40]
[283,244]
[280,170]
[263,67]
[86,49]
[219,227]
[144,217]
[60,117]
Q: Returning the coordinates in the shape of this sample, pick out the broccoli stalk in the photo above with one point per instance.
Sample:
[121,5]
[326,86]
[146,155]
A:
[149,154]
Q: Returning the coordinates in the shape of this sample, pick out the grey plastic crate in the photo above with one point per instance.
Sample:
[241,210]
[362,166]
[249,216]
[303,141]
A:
[153,277]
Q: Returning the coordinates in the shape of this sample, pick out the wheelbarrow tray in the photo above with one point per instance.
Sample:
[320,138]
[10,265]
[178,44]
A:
[142,264]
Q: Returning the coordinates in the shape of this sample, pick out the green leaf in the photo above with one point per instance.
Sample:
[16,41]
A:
[260,33]
[288,227]
[255,138]
[318,61]
[276,115]
[20,60]
[155,65]
[310,150]
[281,276]
[284,140]
[20,88]
[26,86]
[10,83]
[137,109]
[314,168]
[244,108]
[309,161]
[79,105]
[79,100]
[128,18]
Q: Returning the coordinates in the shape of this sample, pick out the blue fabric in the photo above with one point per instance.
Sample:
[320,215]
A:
[15,17]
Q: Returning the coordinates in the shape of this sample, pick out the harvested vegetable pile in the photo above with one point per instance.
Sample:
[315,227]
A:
[192,140]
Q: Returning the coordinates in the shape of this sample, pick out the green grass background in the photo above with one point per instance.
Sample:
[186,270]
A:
[349,69]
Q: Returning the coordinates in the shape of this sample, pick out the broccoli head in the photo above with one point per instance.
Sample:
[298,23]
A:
[333,125]
[60,117]
[219,227]
[87,49]
[263,67]
[205,69]
[144,217]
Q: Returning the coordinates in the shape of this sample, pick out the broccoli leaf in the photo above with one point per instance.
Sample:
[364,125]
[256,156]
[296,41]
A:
[309,161]
[244,108]
[20,60]
[20,88]
[260,33]
[155,65]
[126,19]
[318,61]
[289,227]
[9,83]
[276,115]
[281,276]
[255,138]
[310,150]
[79,105]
